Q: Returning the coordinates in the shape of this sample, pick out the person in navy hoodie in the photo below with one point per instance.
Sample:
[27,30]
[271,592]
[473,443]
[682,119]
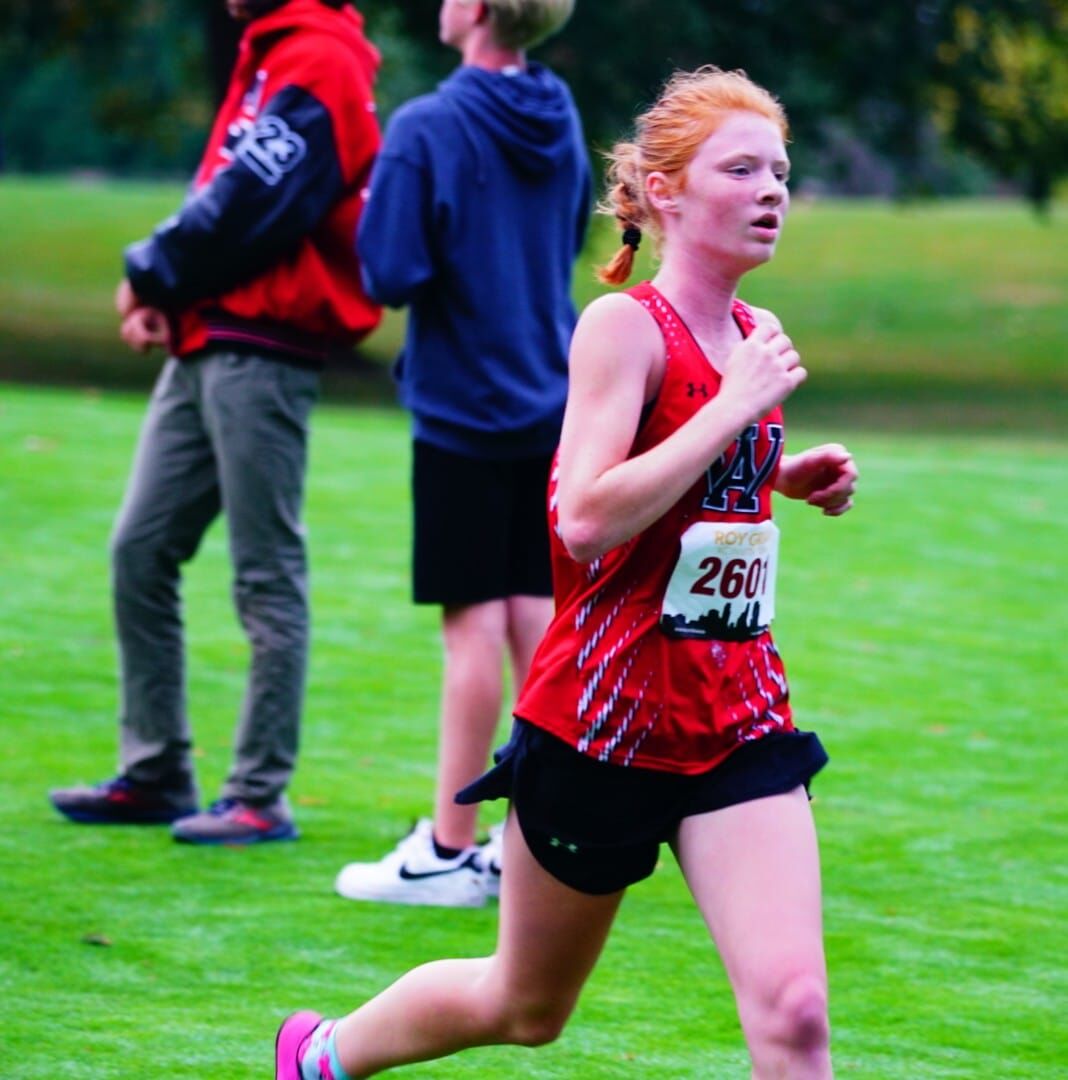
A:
[249,286]
[478,208]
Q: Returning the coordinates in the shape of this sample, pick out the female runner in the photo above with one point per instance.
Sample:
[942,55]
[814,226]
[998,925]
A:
[657,708]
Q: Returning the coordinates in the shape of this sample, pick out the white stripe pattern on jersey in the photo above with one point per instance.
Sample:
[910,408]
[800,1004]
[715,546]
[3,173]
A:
[768,651]
[758,682]
[608,708]
[624,724]
[642,737]
[762,722]
[583,612]
[589,691]
[595,638]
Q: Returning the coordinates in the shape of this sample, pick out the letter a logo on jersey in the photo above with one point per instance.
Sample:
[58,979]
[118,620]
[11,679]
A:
[738,470]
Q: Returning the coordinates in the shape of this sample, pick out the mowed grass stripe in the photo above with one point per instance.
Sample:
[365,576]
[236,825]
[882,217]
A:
[969,293]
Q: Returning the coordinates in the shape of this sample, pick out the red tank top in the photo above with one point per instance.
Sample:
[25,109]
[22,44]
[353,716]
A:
[659,654]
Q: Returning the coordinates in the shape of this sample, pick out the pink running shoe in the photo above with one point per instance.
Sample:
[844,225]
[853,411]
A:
[292,1036]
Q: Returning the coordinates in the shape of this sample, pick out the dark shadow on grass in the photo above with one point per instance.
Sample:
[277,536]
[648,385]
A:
[840,401]
[56,361]
[936,405]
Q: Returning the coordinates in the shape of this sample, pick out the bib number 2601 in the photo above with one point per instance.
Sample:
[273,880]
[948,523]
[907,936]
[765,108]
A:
[723,585]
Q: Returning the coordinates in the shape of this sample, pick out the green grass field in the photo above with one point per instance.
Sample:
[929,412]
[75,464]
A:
[931,309]
[924,636]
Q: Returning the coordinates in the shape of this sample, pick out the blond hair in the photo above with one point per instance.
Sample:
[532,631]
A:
[691,106]
[521,24]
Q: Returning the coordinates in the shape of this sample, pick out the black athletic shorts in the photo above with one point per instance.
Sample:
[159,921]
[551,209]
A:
[598,828]
[480,531]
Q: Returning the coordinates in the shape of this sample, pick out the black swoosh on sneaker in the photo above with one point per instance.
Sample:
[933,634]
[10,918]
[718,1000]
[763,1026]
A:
[418,875]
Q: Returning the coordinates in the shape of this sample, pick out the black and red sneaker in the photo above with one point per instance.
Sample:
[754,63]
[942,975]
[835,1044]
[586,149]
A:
[122,801]
[233,821]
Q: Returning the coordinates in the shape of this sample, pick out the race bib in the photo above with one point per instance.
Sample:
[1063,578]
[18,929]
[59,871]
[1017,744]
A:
[723,585]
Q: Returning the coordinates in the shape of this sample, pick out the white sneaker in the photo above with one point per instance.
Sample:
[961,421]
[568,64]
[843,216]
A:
[489,855]
[412,873]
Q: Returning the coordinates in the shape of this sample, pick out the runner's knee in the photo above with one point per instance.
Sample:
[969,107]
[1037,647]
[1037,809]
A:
[534,1022]
[799,1011]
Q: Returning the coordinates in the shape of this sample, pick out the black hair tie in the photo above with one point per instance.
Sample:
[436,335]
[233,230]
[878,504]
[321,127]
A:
[632,237]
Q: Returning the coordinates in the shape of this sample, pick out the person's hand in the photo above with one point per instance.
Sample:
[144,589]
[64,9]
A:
[761,372]
[145,327]
[125,299]
[825,476]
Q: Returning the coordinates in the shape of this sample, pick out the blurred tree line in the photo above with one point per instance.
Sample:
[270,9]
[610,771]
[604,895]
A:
[905,98]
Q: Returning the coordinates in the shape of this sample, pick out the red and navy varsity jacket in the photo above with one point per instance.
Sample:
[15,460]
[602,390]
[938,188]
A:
[262,253]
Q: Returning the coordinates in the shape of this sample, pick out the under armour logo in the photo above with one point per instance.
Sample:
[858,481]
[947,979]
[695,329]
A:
[555,841]
[693,389]
[271,149]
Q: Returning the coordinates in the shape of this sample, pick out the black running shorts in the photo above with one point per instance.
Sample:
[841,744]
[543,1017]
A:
[480,530]
[598,827]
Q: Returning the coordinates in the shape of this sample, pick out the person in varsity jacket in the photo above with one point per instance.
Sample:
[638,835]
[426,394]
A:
[656,710]
[478,208]
[250,286]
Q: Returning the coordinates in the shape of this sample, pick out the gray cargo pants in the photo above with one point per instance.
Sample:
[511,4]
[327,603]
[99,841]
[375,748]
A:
[224,431]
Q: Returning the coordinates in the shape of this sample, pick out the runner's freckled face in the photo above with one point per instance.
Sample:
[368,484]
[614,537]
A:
[735,198]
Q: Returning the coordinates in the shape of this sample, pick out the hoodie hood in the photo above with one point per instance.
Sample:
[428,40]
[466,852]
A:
[529,114]
[345,24]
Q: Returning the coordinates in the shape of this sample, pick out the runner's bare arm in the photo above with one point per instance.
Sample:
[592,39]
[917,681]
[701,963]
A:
[617,358]
[824,476]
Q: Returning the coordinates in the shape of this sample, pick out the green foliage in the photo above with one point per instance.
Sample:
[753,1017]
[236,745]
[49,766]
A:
[408,64]
[121,88]
[138,82]
[844,69]
[39,135]
[1004,93]
[923,635]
